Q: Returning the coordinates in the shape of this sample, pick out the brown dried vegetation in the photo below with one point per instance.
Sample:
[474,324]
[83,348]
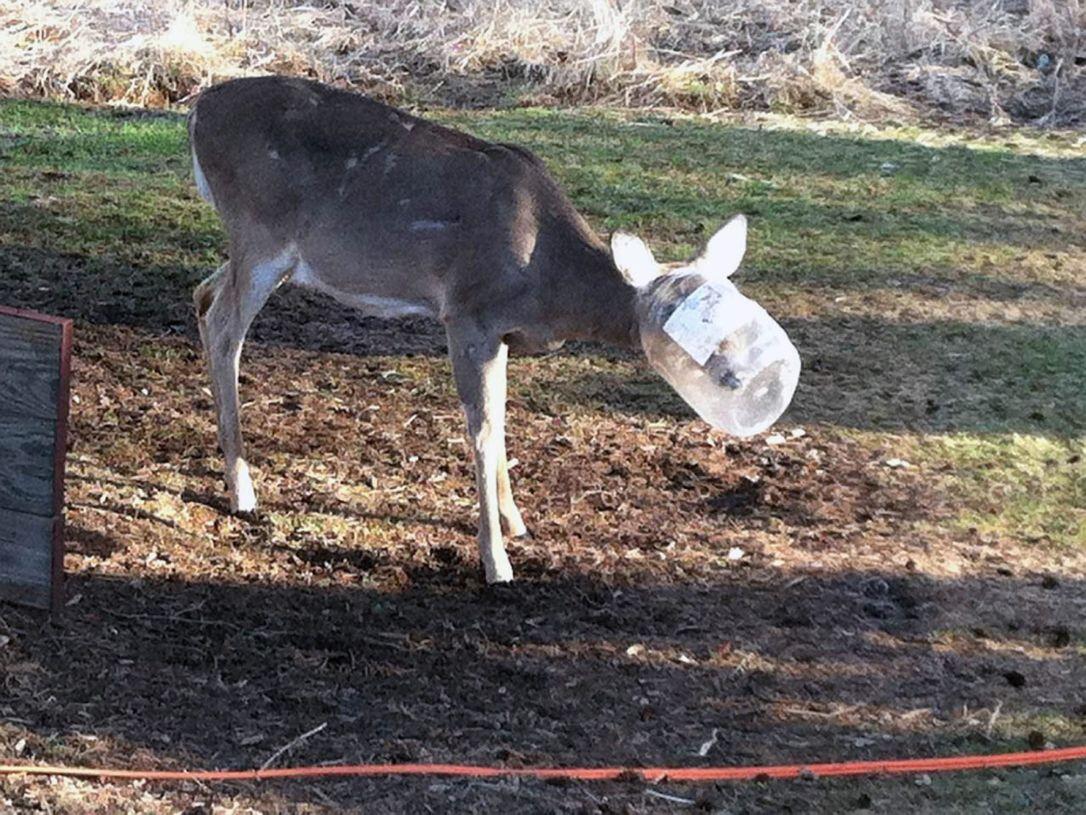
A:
[1020,60]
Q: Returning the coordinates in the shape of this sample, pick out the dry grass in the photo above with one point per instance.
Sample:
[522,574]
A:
[1021,60]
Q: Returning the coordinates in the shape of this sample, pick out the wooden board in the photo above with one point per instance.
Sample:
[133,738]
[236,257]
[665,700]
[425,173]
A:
[35,352]
[26,461]
[26,558]
[28,375]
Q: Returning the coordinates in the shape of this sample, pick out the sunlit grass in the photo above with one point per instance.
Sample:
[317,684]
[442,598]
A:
[1020,488]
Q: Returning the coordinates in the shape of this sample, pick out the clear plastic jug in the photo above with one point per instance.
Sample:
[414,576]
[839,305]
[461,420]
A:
[731,362]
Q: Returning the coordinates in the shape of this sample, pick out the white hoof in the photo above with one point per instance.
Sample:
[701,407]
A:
[244,501]
[499,570]
[242,494]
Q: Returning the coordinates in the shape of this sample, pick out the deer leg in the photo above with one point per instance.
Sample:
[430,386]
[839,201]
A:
[512,523]
[226,303]
[202,299]
[479,365]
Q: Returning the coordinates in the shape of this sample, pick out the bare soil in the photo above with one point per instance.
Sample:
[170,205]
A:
[793,599]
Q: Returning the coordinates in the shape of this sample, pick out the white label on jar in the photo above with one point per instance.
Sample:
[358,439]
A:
[706,317]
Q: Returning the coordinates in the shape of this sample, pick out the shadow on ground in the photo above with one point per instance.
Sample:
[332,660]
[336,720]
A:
[930,376]
[556,669]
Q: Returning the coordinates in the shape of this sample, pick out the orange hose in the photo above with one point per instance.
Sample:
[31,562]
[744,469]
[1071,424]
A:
[912,765]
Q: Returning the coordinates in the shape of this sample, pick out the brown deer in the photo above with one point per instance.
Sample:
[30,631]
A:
[395,215]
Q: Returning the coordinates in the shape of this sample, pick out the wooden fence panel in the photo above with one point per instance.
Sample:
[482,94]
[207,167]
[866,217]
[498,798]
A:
[34,365]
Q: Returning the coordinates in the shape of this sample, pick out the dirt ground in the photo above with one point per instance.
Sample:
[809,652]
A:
[784,602]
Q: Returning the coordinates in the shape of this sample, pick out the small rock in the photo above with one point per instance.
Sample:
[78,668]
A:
[888,167]
[1016,679]
[897,463]
[775,439]
[736,553]
[635,650]
[923,780]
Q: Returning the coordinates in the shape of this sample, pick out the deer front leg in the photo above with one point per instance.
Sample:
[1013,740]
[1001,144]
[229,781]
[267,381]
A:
[479,366]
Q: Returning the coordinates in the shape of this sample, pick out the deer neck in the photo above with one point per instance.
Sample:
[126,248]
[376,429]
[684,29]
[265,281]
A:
[590,300]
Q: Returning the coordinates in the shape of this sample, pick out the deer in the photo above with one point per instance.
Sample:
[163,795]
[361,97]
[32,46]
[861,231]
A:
[394,215]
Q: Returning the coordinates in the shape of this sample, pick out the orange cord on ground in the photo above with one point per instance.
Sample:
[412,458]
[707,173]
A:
[915,765]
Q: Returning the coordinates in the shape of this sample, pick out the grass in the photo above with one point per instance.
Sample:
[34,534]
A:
[1021,487]
[932,284]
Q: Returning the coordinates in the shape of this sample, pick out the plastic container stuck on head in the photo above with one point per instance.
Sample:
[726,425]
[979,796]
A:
[731,362]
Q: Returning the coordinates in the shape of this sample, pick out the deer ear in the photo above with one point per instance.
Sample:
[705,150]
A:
[724,251]
[634,259]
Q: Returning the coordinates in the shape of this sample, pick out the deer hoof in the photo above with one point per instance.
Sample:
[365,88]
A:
[499,571]
[243,502]
[242,494]
[513,526]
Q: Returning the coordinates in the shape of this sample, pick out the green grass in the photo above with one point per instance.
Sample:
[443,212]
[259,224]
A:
[934,285]
[1022,487]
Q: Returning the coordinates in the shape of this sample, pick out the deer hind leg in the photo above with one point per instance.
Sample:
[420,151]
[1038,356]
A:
[479,365]
[226,303]
[512,523]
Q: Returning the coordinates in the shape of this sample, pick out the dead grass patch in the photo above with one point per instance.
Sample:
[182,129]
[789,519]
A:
[1021,61]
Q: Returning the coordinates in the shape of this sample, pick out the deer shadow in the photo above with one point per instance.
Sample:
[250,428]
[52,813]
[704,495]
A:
[560,668]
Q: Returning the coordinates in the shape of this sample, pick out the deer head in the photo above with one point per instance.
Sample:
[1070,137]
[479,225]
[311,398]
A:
[731,362]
